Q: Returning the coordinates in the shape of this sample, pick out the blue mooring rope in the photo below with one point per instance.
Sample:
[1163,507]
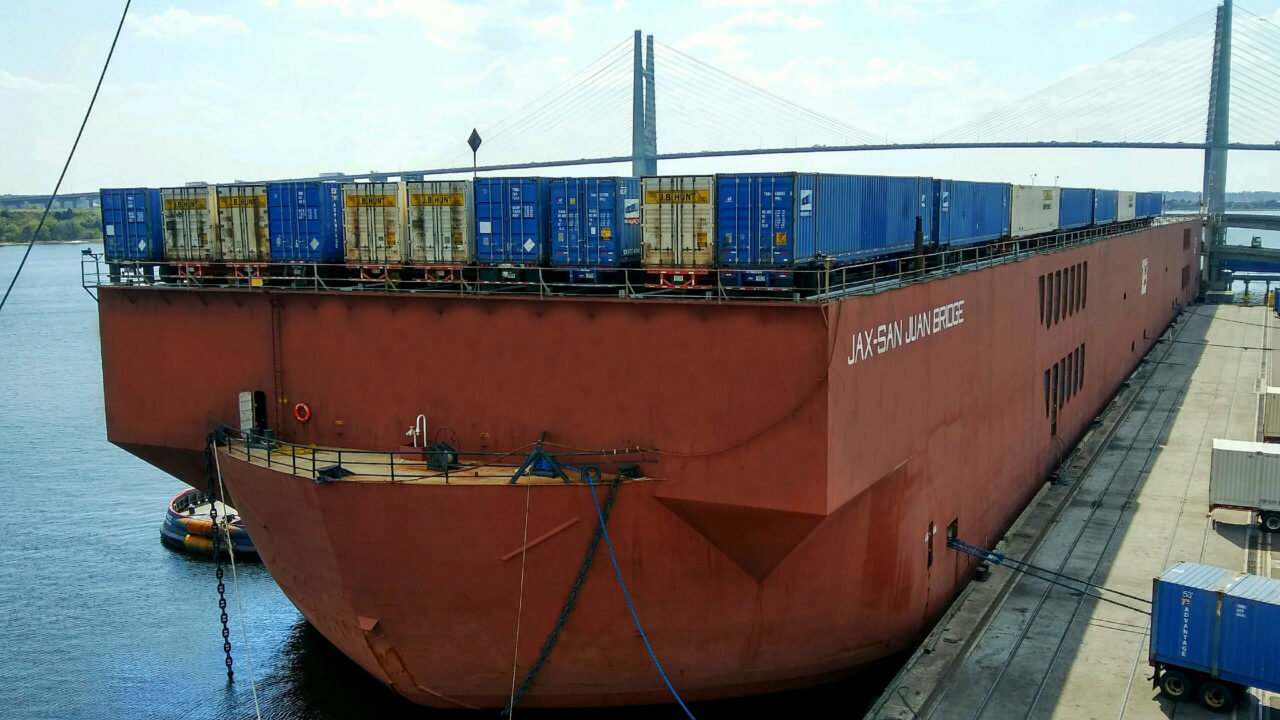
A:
[627,596]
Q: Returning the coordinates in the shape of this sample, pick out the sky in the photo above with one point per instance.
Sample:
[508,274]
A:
[256,89]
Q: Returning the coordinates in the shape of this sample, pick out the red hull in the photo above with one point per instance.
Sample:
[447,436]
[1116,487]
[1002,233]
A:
[786,537]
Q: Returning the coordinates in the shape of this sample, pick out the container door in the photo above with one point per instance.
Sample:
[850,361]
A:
[438,222]
[190,232]
[373,222]
[602,230]
[942,213]
[490,220]
[678,221]
[242,222]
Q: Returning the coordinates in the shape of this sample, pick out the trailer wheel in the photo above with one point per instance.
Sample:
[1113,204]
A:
[1271,521]
[1176,684]
[1217,696]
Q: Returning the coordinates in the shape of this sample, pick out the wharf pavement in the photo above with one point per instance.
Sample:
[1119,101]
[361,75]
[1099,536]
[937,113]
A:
[1130,501]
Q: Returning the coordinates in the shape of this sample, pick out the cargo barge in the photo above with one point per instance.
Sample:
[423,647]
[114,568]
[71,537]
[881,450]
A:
[802,456]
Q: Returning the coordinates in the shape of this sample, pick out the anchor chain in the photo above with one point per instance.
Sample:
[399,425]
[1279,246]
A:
[217,555]
[573,592]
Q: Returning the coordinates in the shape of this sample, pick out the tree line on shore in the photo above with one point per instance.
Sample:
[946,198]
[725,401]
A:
[17,226]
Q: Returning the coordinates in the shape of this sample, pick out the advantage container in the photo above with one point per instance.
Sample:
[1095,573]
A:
[1149,204]
[131,224]
[305,221]
[189,217]
[1033,209]
[1219,622]
[1126,205]
[441,229]
[678,221]
[1271,405]
[1244,475]
[1104,207]
[511,220]
[758,218]
[242,223]
[968,213]
[595,222]
[373,222]
[1075,209]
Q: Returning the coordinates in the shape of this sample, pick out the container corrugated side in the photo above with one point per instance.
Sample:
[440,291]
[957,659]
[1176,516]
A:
[756,216]
[1184,605]
[858,217]
[968,213]
[678,221]
[1126,205]
[441,229]
[242,223]
[1104,206]
[1250,633]
[131,224]
[1075,208]
[595,221]
[305,221]
[512,220]
[189,217]
[1033,209]
[1244,474]
[1271,406]
[373,222]
[1149,204]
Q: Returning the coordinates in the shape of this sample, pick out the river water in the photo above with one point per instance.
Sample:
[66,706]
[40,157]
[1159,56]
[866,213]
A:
[99,620]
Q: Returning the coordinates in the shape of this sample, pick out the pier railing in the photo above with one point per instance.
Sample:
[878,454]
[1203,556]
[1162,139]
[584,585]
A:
[806,285]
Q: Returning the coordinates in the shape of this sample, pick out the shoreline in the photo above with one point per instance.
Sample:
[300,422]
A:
[51,242]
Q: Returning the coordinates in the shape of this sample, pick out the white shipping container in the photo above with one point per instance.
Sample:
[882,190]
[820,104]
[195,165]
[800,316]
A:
[1126,205]
[189,216]
[1033,209]
[1244,474]
[374,220]
[441,229]
[242,223]
[678,216]
[1271,414]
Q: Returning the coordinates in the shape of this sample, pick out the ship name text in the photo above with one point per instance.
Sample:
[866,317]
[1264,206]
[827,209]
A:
[879,340]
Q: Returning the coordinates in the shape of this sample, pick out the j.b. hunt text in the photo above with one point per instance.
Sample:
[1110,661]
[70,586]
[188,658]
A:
[887,336]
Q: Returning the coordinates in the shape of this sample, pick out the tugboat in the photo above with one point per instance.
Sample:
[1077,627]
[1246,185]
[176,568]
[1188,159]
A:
[188,526]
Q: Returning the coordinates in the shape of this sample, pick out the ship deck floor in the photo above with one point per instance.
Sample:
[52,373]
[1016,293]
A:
[1130,503]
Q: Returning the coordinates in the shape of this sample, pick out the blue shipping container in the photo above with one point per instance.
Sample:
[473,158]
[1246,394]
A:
[1104,206]
[511,220]
[1076,208]
[968,213]
[756,218]
[595,222]
[131,224]
[1218,622]
[305,221]
[1149,204]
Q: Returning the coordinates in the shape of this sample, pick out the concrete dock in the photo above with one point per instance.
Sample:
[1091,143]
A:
[1130,501]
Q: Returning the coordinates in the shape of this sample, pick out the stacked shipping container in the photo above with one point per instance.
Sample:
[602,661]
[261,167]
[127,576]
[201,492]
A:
[131,227]
[511,221]
[968,213]
[189,218]
[305,221]
[1075,210]
[595,222]
[374,219]
[242,223]
[441,231]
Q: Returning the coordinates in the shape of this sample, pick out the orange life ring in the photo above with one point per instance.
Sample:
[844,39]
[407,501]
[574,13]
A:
[302,412]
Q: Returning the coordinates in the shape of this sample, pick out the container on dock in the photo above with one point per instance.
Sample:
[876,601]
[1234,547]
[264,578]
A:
[1244,475]
[242,223]
[1148,205]
[969,213]
[678,221]
[1075,208]
[441,229]
[1271,405]
[1033,209]
[1218,624]
[512,220]
[190,217]
[1104,206]
[1126,205]
[305,221]
[595,221]
[131,224]
[373,222]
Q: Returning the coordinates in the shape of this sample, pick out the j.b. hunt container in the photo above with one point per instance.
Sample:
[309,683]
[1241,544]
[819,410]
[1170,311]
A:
[131,224]
[595,223]
[1033,210]
[968,213]
[305,221]
[189,217]
[440,230]
[1104,206]
[1246,476]
[678,221]
[373,223]
[242,223]
[511,222]
[1075,209]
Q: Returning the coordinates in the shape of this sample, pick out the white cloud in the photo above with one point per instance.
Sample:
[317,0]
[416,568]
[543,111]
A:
[742,4]
[452,26]
[726,40]
[1097,21]
[621,5]
[176,22]
[9,81]
[330,37]
[913,9]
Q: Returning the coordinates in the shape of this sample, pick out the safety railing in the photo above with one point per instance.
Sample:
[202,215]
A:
[716,284]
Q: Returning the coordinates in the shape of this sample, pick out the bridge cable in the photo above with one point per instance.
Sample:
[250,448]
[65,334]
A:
[49,205]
